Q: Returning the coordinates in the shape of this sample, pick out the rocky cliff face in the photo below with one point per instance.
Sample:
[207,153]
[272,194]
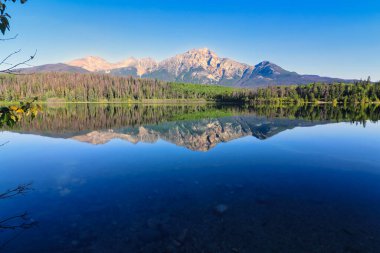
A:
[97,64]
[141,66]
[201,66]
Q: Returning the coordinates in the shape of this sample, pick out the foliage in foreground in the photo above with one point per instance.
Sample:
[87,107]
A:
[4,16]
[10,115]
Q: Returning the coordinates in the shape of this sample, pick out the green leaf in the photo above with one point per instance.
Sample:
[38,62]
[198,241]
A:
[4,24]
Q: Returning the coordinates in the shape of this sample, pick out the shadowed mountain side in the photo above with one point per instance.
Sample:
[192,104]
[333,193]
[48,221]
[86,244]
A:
[267,73]
[59,67]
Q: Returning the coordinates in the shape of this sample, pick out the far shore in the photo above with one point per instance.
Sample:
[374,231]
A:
[181,102]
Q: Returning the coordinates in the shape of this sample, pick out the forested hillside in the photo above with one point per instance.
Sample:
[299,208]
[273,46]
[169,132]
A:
[97,87]
[359,92]
[75,87]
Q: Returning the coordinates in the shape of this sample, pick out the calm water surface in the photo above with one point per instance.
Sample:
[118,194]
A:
[192,179]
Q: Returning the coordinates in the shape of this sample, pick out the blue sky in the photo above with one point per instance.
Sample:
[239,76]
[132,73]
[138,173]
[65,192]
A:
[338,38]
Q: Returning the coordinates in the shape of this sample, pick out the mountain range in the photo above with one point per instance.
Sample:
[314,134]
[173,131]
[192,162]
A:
[201,66]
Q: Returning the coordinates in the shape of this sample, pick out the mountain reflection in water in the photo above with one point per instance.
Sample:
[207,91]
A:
[311,189]
[198,128]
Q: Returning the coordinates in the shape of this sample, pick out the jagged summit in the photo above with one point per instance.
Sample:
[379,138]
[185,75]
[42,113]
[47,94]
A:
[201,53]
[202,66]
[203,50]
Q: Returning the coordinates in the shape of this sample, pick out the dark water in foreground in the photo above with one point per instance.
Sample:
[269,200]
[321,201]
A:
[192,179]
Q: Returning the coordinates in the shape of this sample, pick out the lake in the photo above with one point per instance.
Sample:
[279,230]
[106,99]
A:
[178,178]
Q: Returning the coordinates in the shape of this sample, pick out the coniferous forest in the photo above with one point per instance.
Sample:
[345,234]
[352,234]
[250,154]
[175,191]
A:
[70,87]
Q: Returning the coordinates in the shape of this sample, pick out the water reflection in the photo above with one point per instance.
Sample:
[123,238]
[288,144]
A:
[312,189]
[198,128]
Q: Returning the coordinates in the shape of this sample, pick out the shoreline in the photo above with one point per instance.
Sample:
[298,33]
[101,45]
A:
[187,102]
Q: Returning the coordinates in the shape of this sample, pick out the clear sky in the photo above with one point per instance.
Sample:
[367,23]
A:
[337,38]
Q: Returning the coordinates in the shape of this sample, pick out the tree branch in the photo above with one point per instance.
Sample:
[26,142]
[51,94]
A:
[11,38]
[9,56]
[11,70]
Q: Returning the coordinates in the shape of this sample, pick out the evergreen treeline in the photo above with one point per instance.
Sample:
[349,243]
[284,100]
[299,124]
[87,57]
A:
[101,88]
[359,92]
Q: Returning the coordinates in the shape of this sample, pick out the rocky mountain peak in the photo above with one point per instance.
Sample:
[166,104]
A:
[266,68]
[96,64]
[202,52]
[195,58]
[263,64]
[91,63]
[203,65]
